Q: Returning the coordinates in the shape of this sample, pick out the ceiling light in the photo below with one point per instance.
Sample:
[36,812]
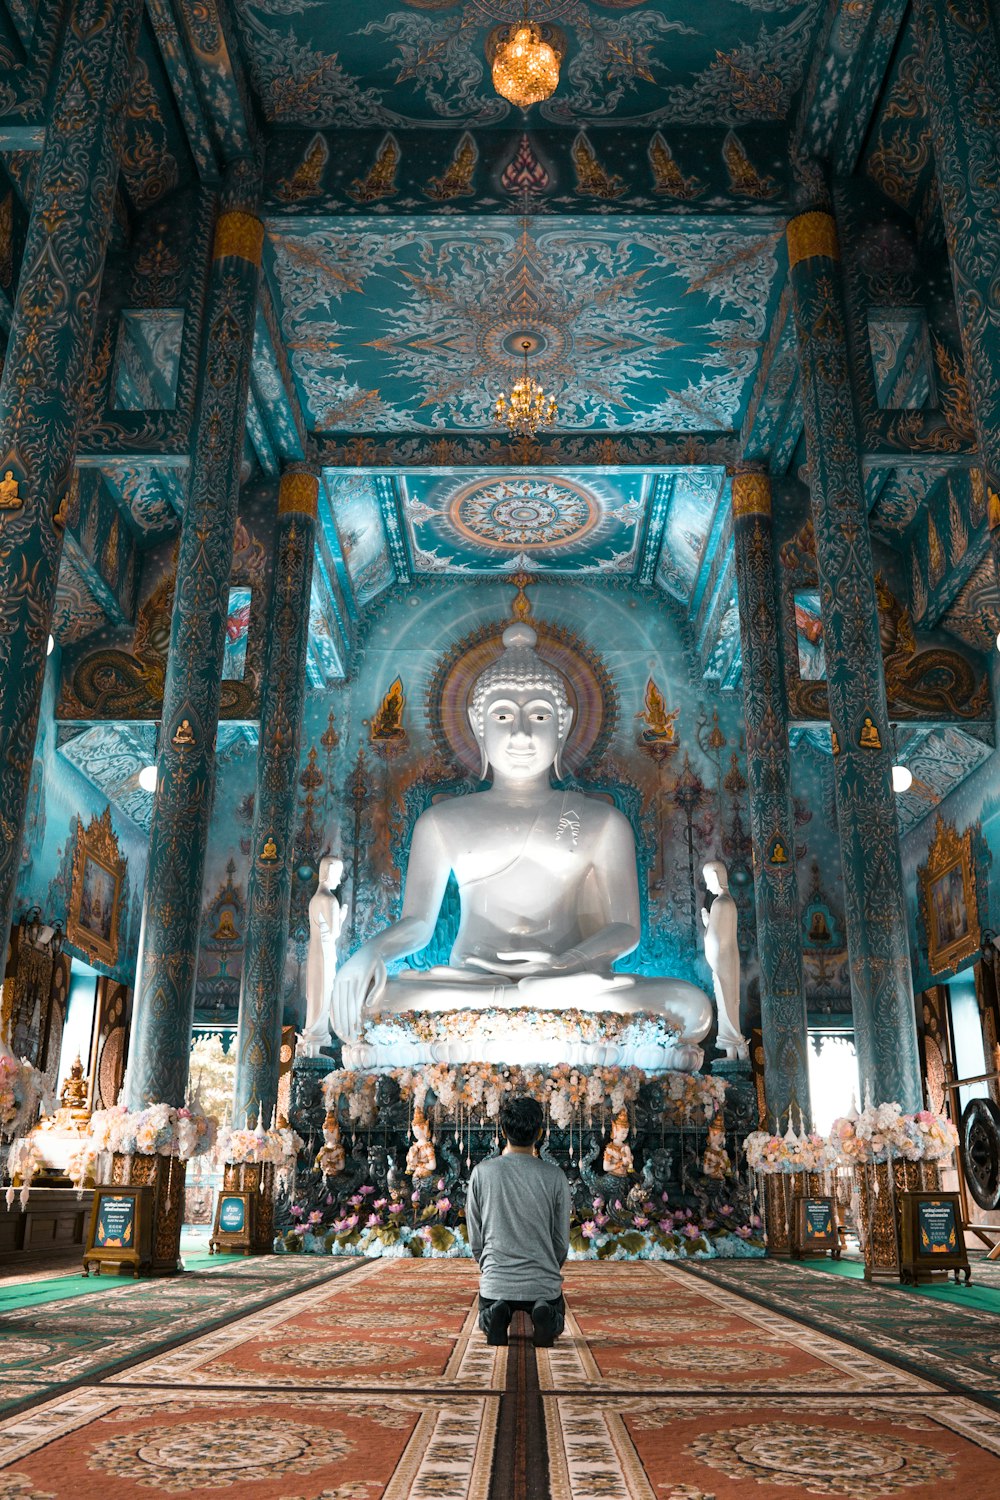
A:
[147,778]
[525,407]
[525,67]
[50,645]
[902,778]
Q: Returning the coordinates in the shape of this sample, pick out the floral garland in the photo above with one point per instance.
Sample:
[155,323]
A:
[882,1132]
[157,1130]
[280,1146]
[772,1154]
[641,1029]
[22,1089]
[568,1093]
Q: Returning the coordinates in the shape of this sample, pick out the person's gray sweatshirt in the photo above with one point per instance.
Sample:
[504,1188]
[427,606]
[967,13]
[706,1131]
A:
[517,1212]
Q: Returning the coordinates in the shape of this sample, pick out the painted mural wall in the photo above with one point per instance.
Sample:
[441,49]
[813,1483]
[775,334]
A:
[648,735]
[59,795]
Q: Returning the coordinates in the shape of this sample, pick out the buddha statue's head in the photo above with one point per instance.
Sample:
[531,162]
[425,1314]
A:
[331,871]
[520,710]
[716,877]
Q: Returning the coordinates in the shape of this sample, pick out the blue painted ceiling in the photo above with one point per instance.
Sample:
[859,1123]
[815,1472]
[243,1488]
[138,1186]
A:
[424,62]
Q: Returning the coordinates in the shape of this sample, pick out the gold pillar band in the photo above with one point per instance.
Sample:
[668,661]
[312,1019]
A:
[298,492]
[751,494]
[811,234]
[238,234]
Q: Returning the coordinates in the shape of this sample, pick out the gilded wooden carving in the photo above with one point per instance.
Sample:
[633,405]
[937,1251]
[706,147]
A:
[948,883]
[95,898]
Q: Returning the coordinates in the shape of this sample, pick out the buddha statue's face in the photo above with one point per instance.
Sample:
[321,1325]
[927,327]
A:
[521,733]
[331,870]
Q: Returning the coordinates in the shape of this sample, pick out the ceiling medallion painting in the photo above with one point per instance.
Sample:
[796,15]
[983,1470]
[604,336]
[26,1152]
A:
[405,325]
[522,513]
[412,62]
[489,523]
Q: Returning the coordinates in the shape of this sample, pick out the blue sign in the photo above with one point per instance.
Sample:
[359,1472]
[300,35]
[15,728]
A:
[232,1215]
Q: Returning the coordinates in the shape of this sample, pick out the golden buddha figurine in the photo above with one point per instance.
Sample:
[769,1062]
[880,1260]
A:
[332,1157]
[869,738]
[9,497]
[715,1162]
[73,1094]
[618,1161]
[420,1159]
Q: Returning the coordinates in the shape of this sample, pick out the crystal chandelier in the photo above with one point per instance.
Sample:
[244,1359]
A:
[526,408]
[525,66]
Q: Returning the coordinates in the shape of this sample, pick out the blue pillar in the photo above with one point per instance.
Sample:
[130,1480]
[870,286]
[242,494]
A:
[877,939]
[772,819]
[258,1041]
[44,375]
[182,807]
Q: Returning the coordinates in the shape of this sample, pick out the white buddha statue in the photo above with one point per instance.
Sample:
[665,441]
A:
[547,880]
[723,955]
[326,918]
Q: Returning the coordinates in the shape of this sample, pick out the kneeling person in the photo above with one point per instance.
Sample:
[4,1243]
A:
[517,1213]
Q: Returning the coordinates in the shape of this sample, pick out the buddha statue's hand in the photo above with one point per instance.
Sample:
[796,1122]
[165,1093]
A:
[361,981]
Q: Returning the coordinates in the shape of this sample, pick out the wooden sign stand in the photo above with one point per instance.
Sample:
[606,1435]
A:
[235,1223]
[120,1237]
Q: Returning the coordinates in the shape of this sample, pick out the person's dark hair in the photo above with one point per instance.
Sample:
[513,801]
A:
[521,1119]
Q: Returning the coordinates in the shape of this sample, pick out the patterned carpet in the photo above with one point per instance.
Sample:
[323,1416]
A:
[956,1347]
[375,1384]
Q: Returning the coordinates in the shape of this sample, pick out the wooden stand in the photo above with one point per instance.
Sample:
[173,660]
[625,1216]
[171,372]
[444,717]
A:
[163,1178]
[781,1192]
[933,1238]
[815,1228]
[120,1238]
[244,1211]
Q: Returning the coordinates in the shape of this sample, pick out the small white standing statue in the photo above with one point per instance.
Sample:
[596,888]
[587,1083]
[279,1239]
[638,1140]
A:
[326,918]
[723,954]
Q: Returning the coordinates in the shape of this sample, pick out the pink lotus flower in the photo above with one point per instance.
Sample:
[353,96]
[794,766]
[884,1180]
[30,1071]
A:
[600,1220]
[443,1205]
[726,1210]
[666,1226]
[396,1208]
[355,1201]
[380,1203]
[588,1230]
[372,1221]
[351,1221]
[640,1221]
[744,1231]
[315,1217]
[692,1231]
[414,1197]
[366,1192]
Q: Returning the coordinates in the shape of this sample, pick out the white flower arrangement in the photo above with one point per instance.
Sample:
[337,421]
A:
[882,1132]
[280,1146]
[157,1130]
[23,1089]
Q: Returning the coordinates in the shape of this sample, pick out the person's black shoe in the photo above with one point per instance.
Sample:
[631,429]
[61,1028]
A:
[543,1319]
[495,1323]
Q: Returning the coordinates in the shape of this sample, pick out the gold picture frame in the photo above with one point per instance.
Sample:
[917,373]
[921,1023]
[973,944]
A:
[949,891]
[95,895]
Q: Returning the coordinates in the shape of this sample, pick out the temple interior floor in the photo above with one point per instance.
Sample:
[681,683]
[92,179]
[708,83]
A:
[300,1378]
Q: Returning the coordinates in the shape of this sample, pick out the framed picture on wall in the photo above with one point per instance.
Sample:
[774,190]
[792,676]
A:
[949,892]
[95,896]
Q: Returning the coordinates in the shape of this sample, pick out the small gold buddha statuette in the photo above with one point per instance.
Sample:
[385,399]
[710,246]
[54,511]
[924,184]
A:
[9,497]
[73,1094]
[869,738]
[184,734]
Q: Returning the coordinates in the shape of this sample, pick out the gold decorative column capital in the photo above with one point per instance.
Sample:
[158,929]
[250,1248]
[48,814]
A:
[238,233]
[812,234]
[751,493]
[298,493]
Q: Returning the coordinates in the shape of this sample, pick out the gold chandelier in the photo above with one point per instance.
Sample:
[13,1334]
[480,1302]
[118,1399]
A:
[526,407]
[525,66]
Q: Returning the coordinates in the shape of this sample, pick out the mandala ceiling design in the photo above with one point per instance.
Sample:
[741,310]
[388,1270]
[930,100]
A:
[413,62]
[573,523]
[415,324]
